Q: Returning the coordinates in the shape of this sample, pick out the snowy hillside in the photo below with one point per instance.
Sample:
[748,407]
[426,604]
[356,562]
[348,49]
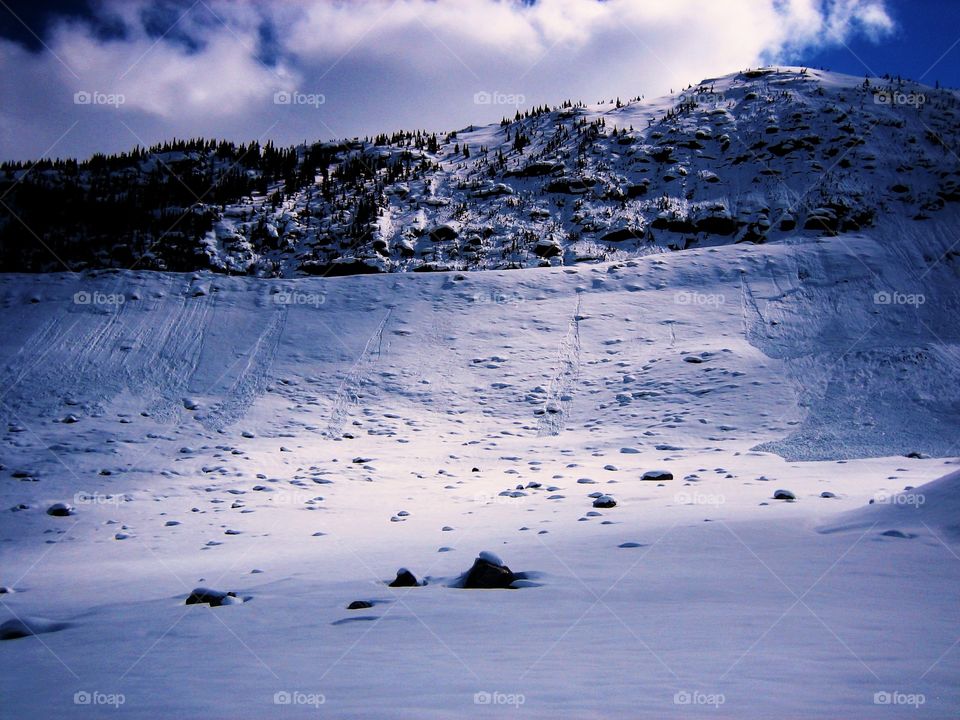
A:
[751,157]
[718,482]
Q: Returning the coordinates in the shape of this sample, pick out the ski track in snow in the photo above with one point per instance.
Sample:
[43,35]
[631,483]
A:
[348,394]
[559,400]
[253,378]
[169,366]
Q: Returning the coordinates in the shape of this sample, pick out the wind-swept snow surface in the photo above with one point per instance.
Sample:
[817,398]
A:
[296,442]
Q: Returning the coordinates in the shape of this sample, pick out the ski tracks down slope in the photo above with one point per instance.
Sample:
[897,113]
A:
[348,393]
[254,377]
[555,412]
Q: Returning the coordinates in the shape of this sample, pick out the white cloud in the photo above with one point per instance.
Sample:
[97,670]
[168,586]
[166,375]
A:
[382,65]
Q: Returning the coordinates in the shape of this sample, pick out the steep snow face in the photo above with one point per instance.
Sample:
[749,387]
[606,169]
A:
[812,349]
[750,157]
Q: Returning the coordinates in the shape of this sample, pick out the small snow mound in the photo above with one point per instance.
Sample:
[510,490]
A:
[491,558]
[26,626]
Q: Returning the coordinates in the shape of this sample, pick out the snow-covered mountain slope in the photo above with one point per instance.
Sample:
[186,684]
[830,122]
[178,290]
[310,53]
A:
[932,509]
[296,441]
[750,157]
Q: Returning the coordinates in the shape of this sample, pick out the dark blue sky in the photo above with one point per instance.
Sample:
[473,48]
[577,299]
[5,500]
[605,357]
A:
[925,46]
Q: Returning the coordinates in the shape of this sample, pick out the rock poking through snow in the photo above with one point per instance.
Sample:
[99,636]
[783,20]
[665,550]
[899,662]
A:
[488,573]
[213,598]
[404,578]
[604,501]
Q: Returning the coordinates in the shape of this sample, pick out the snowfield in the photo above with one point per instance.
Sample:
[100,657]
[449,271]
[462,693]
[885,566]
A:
[724,483]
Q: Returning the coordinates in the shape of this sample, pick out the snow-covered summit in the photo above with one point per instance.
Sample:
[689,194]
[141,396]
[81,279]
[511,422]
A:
[754,156]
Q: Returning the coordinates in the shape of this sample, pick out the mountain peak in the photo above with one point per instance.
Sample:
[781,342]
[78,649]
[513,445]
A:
[753,156]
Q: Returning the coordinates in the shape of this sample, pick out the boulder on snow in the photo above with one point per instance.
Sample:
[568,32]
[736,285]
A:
[213,598]
[547,248]
[404,578]
[655,475]
[784,495]
[604,501]
[60,510]
[488,573]
[360,605]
